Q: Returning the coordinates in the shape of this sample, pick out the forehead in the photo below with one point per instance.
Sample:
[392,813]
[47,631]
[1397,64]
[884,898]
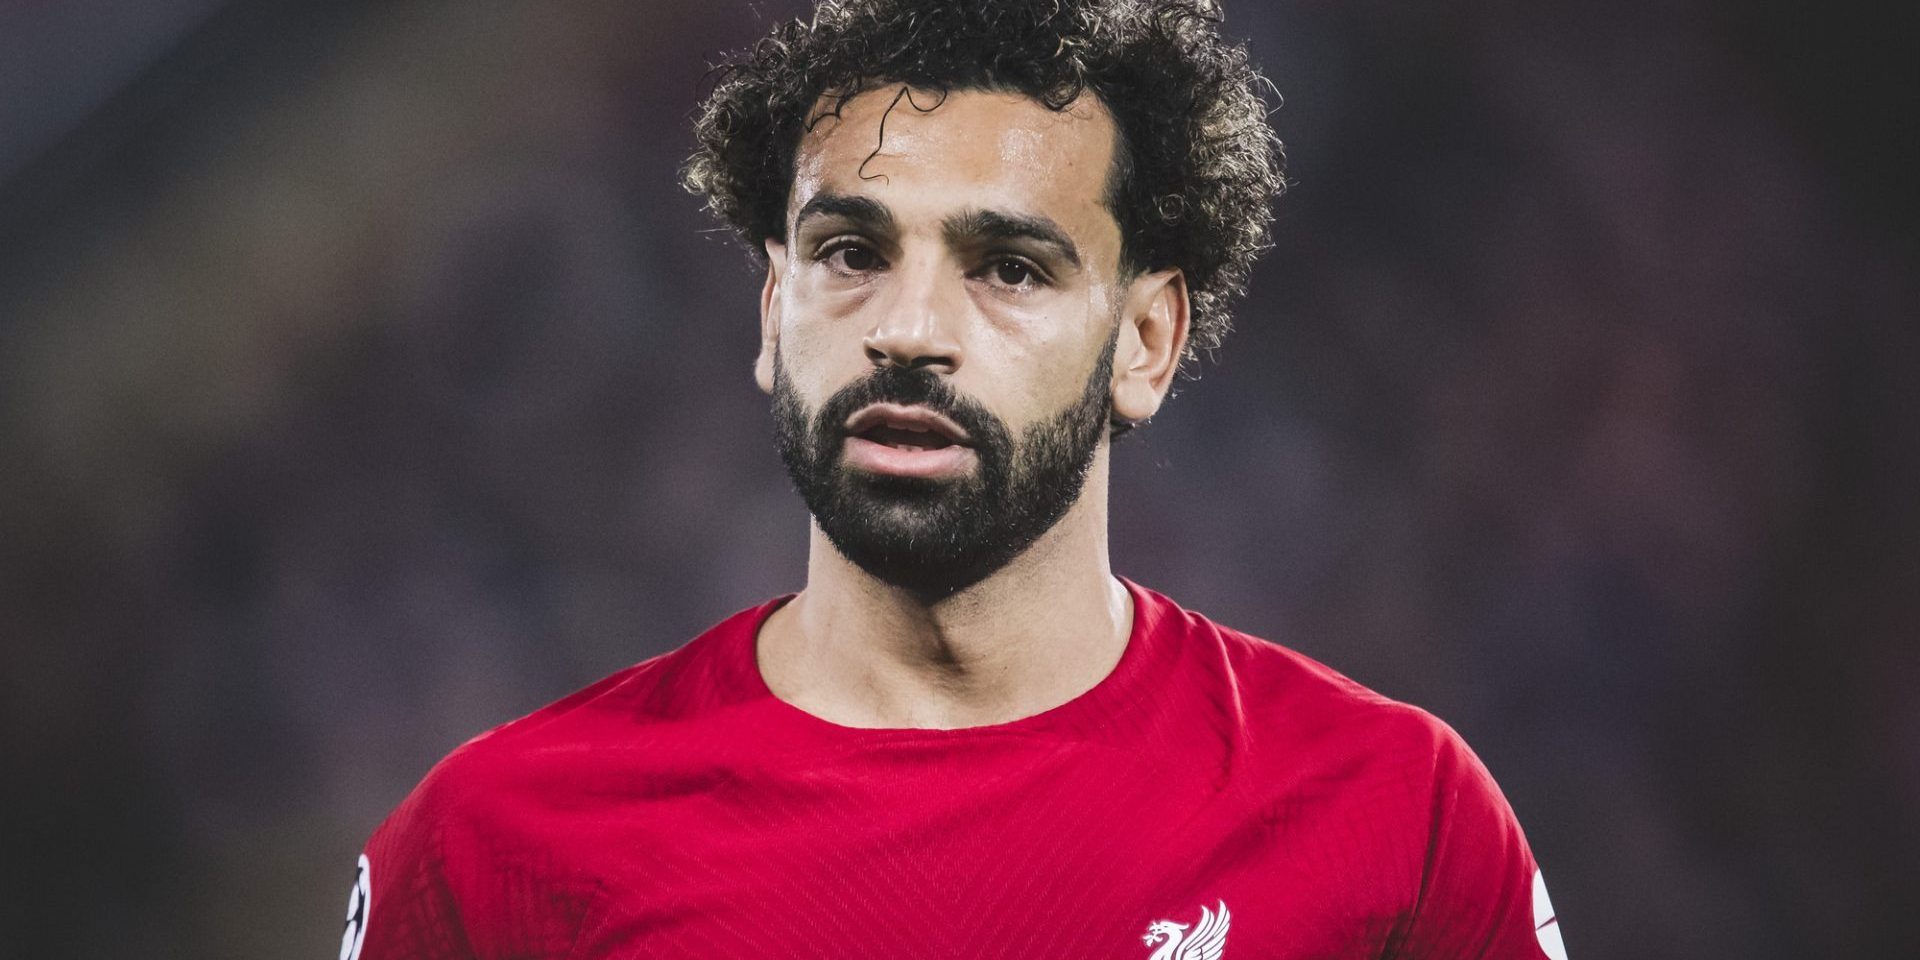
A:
[920,151]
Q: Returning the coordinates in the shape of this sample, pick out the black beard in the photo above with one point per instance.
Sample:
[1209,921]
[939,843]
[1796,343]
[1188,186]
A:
[938,537]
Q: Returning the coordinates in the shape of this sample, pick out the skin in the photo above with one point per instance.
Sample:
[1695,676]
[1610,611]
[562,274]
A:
[1013,322]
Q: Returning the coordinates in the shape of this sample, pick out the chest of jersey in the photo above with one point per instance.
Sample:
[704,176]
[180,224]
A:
[1008,847]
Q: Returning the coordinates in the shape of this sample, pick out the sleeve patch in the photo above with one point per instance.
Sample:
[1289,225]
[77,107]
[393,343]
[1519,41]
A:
[1545,925]
[359,907]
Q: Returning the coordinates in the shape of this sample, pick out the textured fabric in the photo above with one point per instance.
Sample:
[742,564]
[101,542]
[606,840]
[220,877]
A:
[1215,796]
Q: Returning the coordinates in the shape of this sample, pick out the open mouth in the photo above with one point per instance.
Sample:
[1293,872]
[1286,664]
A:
[906,441]
[905,428]
[906,438]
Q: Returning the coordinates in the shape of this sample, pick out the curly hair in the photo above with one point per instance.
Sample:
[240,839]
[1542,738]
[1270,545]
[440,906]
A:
[1196,168]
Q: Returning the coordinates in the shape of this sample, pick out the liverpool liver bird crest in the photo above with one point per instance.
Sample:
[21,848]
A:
[1207,941]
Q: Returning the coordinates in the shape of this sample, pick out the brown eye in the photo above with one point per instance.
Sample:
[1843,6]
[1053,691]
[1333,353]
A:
[1013,273]
[858,259]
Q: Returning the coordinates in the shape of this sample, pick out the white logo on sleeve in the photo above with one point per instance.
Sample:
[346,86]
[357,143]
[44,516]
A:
[1207,941]
[1545,926]
[359,904]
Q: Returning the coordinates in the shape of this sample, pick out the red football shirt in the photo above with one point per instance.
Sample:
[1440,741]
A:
[1215,796]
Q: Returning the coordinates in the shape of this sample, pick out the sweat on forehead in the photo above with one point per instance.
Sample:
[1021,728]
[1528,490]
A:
[1002,156]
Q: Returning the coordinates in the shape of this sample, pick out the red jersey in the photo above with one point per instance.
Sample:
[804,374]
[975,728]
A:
[1216,796]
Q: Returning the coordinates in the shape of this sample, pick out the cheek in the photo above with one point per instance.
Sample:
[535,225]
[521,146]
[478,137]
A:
[816,362]
[1035,368]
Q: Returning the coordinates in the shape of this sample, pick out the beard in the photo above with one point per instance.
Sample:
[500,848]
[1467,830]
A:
[936,537]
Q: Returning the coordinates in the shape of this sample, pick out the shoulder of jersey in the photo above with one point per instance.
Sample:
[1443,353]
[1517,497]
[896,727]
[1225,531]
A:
[655,690]
[1280,685]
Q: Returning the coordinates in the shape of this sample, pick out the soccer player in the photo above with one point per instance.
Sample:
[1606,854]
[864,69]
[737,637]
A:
[993,230]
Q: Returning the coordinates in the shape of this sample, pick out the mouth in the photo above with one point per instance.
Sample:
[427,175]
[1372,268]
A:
[905,428]
[906,441]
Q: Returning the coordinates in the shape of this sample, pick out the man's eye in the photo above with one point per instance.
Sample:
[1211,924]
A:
[853,257]
[1013,273]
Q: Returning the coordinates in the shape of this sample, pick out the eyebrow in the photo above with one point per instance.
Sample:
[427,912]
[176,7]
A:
[860,210]
[974,226]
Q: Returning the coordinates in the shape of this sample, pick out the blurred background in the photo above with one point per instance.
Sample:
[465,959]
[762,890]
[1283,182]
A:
[366,381]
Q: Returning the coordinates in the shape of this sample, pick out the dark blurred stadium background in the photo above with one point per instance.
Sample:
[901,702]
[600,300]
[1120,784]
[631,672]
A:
[366,381]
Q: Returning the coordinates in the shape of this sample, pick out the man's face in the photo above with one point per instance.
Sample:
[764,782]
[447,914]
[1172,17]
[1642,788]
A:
[939,328]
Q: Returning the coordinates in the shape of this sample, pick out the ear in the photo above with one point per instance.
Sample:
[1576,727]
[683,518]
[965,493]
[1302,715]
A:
[1153,336]
[770,314]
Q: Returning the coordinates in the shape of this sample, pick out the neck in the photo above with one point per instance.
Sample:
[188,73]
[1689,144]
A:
[1039,632]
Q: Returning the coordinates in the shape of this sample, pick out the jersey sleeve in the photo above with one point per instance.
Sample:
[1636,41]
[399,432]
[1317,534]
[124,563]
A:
[404,905]
[1481,895]
[465,868]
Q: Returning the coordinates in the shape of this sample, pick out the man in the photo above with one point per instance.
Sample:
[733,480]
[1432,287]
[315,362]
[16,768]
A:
[993,232]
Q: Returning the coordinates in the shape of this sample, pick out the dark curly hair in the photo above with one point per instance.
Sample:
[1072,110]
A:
[1196,169]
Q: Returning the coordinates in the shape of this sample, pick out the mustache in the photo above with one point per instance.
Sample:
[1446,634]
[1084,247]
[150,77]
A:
[909,387]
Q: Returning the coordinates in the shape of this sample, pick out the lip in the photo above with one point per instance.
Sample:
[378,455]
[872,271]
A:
[926,464]
[929,463]
[904,417]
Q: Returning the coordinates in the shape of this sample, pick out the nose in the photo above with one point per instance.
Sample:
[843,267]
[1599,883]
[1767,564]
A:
[918,327]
